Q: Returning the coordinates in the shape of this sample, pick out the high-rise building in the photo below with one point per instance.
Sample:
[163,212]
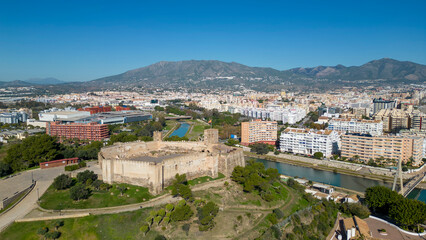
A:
[310,141]
[373,127]
[368,147]
[419,121]
[393,119]
[89,131]
[259,131]
[379,103]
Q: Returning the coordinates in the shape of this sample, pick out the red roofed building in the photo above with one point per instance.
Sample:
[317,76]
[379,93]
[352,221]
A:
[121,108]
[96,109]
[57,163]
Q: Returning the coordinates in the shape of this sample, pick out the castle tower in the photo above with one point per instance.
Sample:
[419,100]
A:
[158,136]
[211,136]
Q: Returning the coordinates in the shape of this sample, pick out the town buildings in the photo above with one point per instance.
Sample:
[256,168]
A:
[394,119]
[310,141]
[13,117]
[259,131]
[380,103]
[373,127]
[367,147]
[82,131]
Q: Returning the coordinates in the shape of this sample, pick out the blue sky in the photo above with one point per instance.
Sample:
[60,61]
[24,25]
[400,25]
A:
[85,40]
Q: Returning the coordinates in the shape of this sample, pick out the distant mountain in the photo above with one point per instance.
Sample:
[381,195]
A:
[16,83]
[212,74]
[386,68]
[44,81]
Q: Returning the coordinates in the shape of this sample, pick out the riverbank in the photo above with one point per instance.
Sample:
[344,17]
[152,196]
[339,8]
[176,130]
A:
[360,171]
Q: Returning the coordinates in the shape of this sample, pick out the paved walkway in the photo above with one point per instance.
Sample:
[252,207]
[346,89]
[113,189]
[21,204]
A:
[44,178]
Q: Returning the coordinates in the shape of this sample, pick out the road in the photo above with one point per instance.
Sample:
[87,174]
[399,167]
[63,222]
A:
[44,178]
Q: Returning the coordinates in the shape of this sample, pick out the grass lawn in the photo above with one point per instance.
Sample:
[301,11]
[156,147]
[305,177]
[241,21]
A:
[197,130]
[110,226]
[204,179]
[60,199]
[170,124]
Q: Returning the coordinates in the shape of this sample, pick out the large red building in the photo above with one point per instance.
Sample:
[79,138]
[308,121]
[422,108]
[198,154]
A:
[121,108]
[96,109]
[82,131]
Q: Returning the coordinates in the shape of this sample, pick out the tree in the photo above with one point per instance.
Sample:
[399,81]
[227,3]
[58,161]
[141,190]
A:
[31,151]
[318,155]
[260,148]
[181,188]
[206,215]
[160,237]
[78,192]
[5,169]
[62,182]
[380,198]
[82,177]
[408,212]
[182,213]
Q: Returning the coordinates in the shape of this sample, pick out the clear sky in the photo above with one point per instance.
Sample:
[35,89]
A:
[84,40]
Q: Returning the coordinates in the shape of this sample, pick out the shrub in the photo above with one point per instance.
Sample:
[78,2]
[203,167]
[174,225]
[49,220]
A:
[272,218]
[144,229]
[62,182]
[78,192]
[166,220]
[105,186]
[160,237]
[186,228]
[161,212]
[58,224]
[318,155]
[278,213]
[97,184]
[53,235]
[42,231]
[82,164]
[71,167]
[169,207]
[158,219]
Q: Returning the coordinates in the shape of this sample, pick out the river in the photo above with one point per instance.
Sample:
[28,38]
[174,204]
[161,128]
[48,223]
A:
[181,131]
[336,179]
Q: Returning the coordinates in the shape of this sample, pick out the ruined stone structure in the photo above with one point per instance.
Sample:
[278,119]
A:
[155,164]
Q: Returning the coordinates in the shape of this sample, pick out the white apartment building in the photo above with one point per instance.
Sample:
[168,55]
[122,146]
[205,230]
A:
[286,115]
[373,127]
[310,141]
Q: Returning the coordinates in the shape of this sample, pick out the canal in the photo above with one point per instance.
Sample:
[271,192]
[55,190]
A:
[181,131]
[336,179]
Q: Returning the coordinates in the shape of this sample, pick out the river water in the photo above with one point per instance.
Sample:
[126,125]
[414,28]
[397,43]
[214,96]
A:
[181,131]
[336,179]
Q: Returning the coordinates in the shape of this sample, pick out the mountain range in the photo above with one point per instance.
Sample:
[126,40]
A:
[223,75]
[213,74]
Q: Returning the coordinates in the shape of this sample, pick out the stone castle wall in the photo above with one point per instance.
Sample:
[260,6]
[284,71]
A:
[123,162]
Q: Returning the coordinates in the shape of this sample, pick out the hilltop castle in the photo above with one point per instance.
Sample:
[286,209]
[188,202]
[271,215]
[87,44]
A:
[155,164]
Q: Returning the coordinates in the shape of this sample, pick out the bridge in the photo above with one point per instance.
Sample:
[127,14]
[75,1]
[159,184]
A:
[412,183]
[178,117]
